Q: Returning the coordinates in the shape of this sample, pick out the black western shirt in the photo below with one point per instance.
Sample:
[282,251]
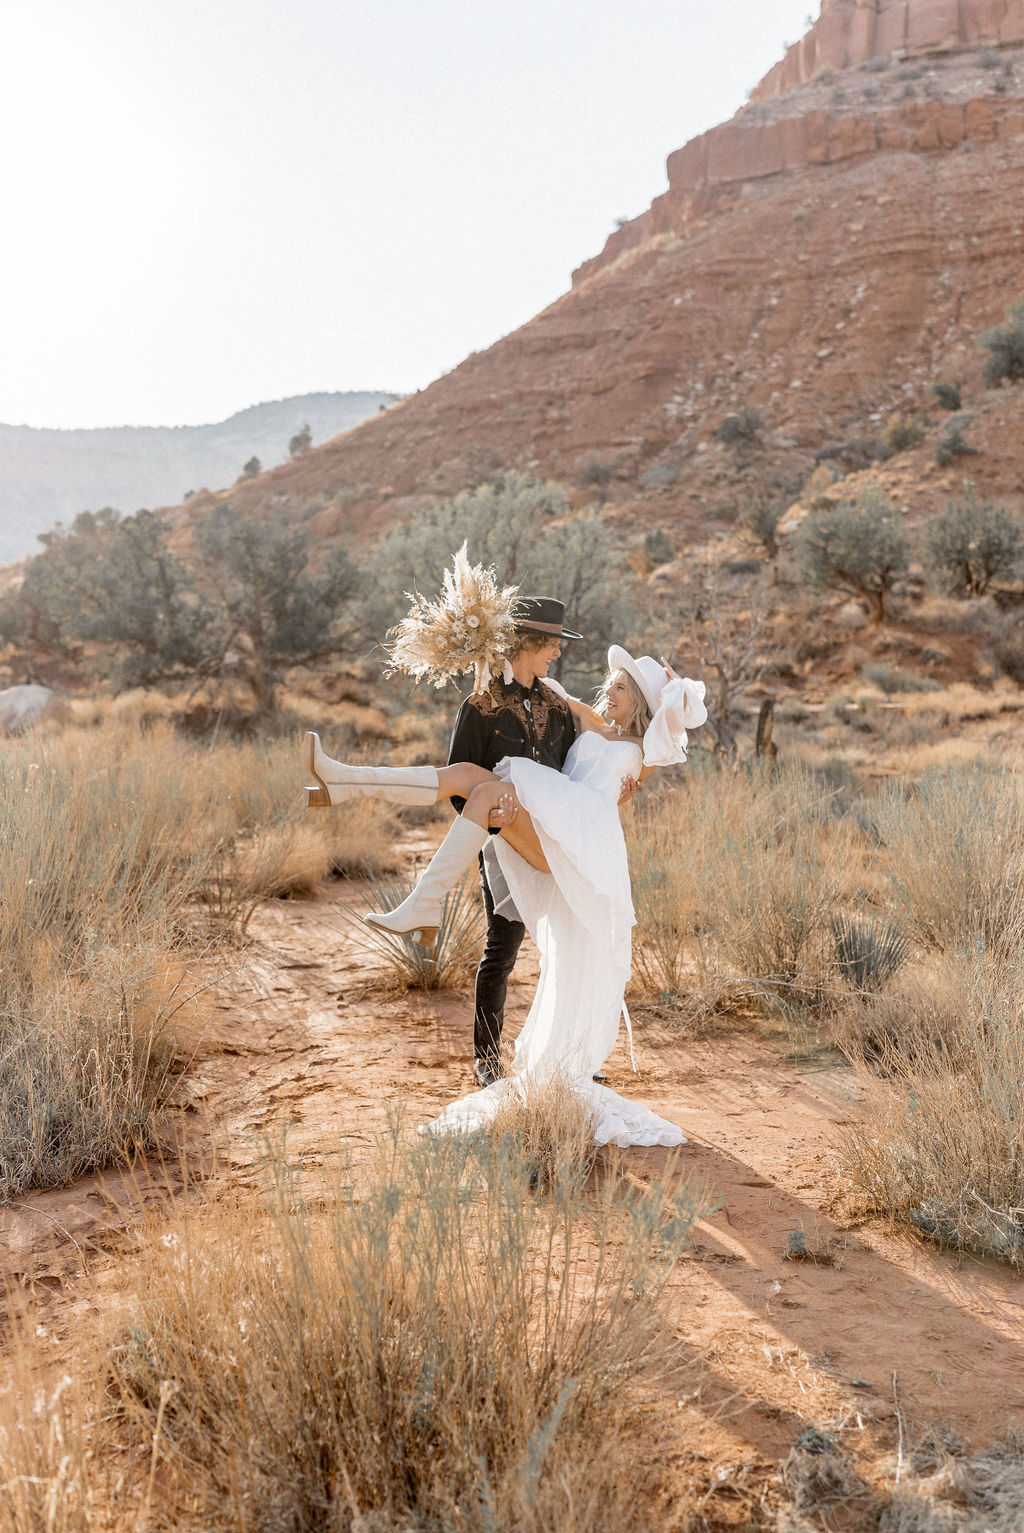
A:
[512,720]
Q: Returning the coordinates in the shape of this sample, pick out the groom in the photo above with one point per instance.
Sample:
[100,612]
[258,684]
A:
[520,717]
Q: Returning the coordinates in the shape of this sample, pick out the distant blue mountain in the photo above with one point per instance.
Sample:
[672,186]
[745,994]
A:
[48,476]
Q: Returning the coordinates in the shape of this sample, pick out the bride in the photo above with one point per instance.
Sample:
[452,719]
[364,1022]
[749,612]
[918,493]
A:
[558,864]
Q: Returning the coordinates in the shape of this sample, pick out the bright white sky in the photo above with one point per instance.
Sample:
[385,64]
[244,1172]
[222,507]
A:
[209,203]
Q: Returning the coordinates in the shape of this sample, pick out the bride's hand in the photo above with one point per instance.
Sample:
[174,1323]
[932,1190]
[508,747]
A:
[669,672]
[629,787]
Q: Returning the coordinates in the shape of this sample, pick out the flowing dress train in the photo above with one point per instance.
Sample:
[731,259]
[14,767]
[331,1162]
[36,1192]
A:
[581,919]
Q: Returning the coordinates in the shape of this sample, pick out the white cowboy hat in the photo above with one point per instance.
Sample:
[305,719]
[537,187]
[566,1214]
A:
[649,676]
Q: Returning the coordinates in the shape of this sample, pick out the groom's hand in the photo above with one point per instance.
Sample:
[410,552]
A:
[629,787]
[503,813]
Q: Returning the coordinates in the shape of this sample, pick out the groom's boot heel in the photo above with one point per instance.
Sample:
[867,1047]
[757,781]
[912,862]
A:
[318,798]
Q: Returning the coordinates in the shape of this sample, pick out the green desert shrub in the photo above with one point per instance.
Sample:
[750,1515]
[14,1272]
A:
[868,952]
[971,544]
[740,428]
[658,547]
[527,529]
[759,516]
[1005,346]
[892,678]
[1005,636]
[953,443]
[946,395]
[857,547]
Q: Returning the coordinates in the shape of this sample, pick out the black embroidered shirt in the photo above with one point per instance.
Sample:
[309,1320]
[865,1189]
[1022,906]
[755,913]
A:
[512,720]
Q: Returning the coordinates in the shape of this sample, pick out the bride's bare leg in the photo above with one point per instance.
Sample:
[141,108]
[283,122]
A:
[521,835]
[460,780]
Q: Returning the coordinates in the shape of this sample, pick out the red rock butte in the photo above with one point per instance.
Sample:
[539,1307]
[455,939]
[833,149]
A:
[819,257]
[847,35]
[850,32]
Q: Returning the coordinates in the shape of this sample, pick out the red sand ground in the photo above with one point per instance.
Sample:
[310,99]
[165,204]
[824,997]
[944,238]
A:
[300,1035]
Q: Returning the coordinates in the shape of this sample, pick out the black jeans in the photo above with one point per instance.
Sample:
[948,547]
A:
[500,952]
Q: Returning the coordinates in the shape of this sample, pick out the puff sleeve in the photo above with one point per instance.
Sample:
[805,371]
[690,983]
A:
[681,708]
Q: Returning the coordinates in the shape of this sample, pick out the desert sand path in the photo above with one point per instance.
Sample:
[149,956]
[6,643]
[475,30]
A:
[300,1038]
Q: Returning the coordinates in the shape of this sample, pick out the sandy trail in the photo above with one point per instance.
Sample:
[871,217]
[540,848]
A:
[301,1039]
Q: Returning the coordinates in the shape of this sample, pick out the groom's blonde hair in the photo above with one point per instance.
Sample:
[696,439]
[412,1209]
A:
[639,713]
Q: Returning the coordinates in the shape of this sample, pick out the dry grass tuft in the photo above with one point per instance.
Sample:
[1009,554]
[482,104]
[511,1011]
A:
[460,934]
[46,1442]
[896,920]
[818,1477]
[551,1130]
[941,1137]
[361,838]
[432,1347]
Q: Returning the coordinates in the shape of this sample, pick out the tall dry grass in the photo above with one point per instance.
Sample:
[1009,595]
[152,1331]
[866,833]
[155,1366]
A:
[124,852]
[940,1140]
[438,1348]
[892,926]
[954,856]
[426,1344]
[48,1466]
[735,880]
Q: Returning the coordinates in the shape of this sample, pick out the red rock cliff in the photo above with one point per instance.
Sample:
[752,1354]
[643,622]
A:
[800,115]
[850,32]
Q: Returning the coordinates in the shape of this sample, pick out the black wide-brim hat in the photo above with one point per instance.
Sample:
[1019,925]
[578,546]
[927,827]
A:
[541,614]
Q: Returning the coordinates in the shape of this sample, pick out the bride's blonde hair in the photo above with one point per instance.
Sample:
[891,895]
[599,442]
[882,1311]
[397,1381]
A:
[639,713]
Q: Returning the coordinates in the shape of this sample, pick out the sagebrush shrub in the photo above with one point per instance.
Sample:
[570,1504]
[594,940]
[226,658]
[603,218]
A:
[946,395]
[953,444]
[892,678]
[1006,645]
[759,516]
[740,427]
[423,1345]
[1005,346]
[658,548]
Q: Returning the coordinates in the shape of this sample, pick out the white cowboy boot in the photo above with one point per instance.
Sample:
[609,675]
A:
[418,916]
[338,782]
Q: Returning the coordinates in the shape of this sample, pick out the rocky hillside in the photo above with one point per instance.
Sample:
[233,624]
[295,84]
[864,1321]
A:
[49,476]
[820,259]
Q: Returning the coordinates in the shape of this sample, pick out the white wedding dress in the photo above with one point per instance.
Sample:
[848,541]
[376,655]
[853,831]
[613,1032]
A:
[581,918]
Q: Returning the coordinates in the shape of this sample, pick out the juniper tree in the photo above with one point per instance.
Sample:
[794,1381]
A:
[858,547]
[527,529]
[971,544]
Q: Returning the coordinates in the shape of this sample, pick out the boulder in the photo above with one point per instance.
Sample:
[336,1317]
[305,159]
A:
[21,707]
